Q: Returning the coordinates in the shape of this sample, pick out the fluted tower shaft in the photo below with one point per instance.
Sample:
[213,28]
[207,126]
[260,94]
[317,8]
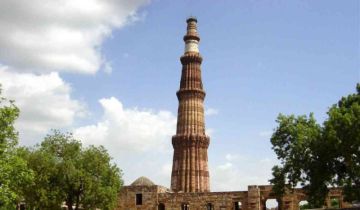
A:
[190,172]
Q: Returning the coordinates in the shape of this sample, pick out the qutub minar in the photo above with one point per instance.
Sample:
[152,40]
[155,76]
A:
[190,172]
[190,179]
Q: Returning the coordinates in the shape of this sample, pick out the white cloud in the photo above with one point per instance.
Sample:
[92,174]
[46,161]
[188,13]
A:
[108,69]
[210,132]
[237,177]
[267,162]
[45,36]
[155,167]
[265,133]
[44,102]
[138,140]
[211,111]
[230,156]
[126,55]
[129,130]
[225,167]
[163,177]
[166,169]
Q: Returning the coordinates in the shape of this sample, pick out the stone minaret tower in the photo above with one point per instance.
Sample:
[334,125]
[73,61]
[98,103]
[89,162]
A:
[190,172]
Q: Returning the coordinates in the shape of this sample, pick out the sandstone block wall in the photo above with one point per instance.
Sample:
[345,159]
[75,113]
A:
[253,199]
[200,201]
[127,198]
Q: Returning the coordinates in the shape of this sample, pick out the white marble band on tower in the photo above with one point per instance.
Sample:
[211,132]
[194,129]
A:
[192,46]
[191,38]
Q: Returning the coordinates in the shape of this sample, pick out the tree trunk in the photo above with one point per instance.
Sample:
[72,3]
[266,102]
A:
[279,204]
[78,196]
[77,202]
[69,203]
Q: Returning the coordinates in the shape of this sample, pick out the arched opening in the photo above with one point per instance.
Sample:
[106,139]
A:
[304,205]
[22,206]
[237,205]
[138,199]
[161,206]
[185,206]
[334,203]
[271,204]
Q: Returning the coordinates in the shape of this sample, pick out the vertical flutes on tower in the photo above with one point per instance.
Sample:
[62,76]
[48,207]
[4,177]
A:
[190,171]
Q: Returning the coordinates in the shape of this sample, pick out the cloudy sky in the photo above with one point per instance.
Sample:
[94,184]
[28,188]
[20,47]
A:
[108,72]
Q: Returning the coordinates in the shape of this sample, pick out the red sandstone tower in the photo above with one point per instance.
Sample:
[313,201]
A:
[190,172]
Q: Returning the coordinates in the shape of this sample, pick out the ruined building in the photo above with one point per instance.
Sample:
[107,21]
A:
[190,179]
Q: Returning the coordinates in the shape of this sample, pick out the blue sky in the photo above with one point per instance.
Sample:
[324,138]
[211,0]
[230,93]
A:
[261,58]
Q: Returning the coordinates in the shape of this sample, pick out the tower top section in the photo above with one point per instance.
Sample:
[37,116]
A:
[191,18]
[191,38]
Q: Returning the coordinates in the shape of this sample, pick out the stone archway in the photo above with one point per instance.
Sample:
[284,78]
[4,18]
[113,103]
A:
[302,202]
[238,205]
[265,205]
[161,206]
[330,202]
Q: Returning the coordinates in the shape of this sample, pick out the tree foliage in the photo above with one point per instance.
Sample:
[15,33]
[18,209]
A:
[342,133]
[318,156]
[279,183]
[8,135]
[304,206]
[65,171]
[59,170]
[14,173]
[334,203]
[45,193]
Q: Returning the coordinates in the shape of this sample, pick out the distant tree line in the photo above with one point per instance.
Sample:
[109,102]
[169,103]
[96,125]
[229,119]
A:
[318,156]
[57,171]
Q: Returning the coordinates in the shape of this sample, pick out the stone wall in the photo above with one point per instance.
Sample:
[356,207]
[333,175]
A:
[253,199]
[127,197]
[199,201]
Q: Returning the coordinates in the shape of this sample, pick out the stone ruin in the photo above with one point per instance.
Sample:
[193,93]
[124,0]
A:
[150,196]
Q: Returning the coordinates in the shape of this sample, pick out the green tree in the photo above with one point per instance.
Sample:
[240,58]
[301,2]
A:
[46,192]
[305,206]
[319,156]
[65,171]
[102,181]
[342,134]
[14,173]
[293,141]
[279,189]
